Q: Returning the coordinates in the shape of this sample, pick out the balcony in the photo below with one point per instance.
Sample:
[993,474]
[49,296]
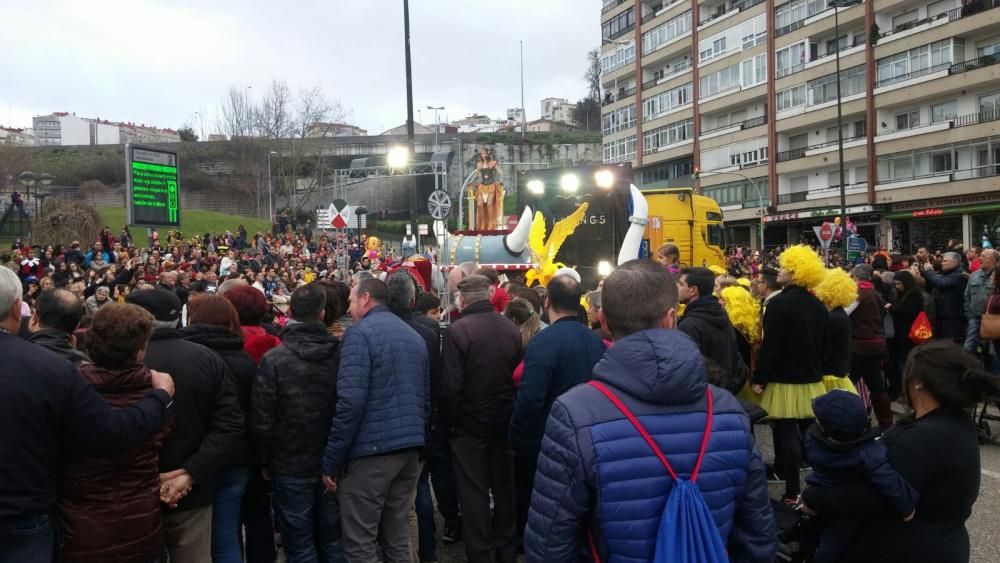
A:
[979,62]
[611,6]
[723,11]
[796,154]
[621,32]
[741,126]
[984,116]
[677,70]
[659,9]
[610,98]
[921,72]
[972,8]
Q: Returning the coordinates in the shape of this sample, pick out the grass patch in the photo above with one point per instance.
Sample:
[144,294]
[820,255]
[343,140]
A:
[193,222]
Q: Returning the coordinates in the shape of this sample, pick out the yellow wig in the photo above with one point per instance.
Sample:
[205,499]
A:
[804,264]
[837,289]
[743,311]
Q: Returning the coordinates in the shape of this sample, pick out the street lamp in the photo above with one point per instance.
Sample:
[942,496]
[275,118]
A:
[437,124]
[760,197]
[270,198]
[837,5]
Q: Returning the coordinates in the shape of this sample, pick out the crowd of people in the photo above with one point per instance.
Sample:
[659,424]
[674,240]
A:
[186,401]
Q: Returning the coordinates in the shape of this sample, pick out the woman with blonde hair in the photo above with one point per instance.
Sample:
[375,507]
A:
[523,314]
[837,291]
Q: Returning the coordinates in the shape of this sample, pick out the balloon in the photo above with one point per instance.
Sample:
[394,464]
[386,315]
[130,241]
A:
[836,220]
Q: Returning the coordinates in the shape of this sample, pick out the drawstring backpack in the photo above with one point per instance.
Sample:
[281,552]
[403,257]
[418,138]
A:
[687,531]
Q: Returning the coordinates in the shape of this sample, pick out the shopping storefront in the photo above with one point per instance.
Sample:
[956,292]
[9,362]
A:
[797,226]
[973,219]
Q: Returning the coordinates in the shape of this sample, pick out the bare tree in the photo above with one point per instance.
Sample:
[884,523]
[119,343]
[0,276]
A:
[273,117]
[236,114]
[593,75]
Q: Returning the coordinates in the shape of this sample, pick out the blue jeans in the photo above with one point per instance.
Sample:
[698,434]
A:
[31,539]
[972,341]
[308,518]
[227,536]
[425,518]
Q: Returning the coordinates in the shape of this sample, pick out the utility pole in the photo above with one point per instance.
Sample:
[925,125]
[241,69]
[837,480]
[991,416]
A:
[524,112]
[409,77]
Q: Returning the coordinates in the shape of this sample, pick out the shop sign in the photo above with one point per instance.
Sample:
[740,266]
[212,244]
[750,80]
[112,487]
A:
[969,199]
[814,213]
[928,213]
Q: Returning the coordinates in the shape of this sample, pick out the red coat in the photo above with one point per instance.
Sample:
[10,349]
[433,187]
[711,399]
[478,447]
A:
[256,342]
[109,506]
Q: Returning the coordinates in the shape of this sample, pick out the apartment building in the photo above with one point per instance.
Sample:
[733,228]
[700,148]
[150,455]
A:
[746,92]
[64,129]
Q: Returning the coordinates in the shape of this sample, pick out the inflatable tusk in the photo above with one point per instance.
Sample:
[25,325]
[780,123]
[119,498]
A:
[517,240]
[638,220]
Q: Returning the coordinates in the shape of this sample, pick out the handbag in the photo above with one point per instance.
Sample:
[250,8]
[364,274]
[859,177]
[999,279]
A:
[989,325]
[921,331]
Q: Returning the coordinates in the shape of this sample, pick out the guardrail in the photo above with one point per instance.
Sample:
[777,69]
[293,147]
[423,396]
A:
[794,154]
[978,62]
[972,8]
[736,7]
[743,125]
[915,74]
[611,6]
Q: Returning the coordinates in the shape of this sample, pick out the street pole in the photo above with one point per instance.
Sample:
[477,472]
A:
[524,111]
[270,189]
[837,4]
[437,125]
[409,77]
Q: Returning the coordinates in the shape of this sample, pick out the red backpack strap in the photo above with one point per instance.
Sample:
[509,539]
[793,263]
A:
[649,439]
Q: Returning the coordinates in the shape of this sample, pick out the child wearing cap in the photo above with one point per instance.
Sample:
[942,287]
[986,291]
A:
[843,450]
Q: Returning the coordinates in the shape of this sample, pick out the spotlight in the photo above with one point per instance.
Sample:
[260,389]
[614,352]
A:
[398,157]
[604,179]
[569,183]
[604,268]
[536,187]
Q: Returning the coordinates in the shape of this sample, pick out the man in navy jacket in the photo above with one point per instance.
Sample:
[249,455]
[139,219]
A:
[558,358]
[383,405]
[597,476]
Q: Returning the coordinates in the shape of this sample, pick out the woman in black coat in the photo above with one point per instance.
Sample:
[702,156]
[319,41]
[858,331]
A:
[909,303]
[215,324]
[936,451]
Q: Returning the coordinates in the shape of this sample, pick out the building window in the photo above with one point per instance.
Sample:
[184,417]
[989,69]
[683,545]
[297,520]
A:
[907,120]
[666,171]
[618,25]
[822,90]
[789,16]
[667,135]
[618,120]
[666,32]
[904,18]
[617,59]
[915,62]
[944,111]
[740,192]
[988,46]
[743,75]
[940,7]
[988,105]
[666,101]
[620,150]
[791,98]
[790,59]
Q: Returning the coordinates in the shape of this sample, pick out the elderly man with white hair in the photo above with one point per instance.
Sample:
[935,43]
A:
[948,289]
[46,408]
[977,292]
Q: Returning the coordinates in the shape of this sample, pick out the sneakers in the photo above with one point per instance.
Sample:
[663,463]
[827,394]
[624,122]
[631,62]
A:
[452,531]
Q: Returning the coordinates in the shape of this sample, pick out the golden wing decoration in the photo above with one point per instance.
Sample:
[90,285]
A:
[536,236]
[562,230]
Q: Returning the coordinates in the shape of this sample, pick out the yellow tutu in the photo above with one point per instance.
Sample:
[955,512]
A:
[791,400]
[832,382]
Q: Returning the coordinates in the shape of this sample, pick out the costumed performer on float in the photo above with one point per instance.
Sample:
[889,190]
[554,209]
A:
[790,362]
[838,291]
[489,192]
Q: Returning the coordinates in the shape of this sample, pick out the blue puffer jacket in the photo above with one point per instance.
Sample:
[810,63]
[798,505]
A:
[383,391]
[596,473]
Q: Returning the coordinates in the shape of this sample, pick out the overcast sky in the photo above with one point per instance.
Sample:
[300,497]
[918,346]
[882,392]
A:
[160,62]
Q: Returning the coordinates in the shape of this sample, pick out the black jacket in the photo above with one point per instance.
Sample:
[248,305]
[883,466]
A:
[706,322]
[57,342]
[208,427]
[479,355]
[837,360]
[794,345]
[46,411]
[294,399]
[948,289]
[229,347]
[904,312]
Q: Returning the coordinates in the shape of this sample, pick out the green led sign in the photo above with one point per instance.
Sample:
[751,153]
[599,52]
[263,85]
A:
[153,186]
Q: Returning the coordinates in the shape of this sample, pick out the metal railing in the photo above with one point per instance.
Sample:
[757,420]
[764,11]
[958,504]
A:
[677,70]
[659,8]
[743,125]
[795,154]
[915,74]
[972,8]
[735,7]
[620,33]
[978,62]
[611,6]
[621,95]
[794,197]
[976,118]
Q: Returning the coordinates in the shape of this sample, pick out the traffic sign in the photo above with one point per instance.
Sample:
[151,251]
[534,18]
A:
[153,186]
[338,214]
[422,229]
[825,235]
[439,205]
[855,246]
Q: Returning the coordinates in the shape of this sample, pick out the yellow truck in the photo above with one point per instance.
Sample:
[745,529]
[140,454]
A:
[693,222]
